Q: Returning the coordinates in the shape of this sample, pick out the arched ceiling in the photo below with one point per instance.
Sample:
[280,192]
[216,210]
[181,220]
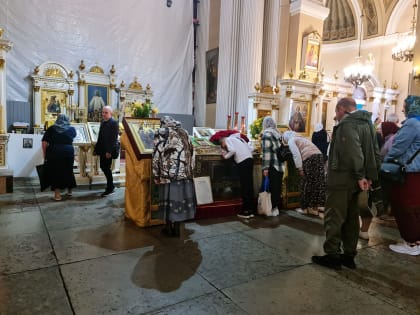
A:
[343,21]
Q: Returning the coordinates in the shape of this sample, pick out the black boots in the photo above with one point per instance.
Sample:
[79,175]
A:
[172,229]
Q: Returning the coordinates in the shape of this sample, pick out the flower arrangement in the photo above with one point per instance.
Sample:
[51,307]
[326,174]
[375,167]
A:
[256,128]
[143,110]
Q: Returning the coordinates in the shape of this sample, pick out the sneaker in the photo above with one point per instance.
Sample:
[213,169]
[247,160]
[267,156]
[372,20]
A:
[364,235]
[405,248]
[108,193]
[347,261]
[275,212]
[245,215]
[328,261]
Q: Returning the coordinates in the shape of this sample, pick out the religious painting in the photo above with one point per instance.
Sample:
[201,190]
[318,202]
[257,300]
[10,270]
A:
[82,134]
[299,117]
[27,143]
[52,104]
[203,132]
[212,61]
[310,51]
[97,97]
[93,128]
[141,133]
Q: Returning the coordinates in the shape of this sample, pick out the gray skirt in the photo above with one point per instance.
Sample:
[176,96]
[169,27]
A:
[177,201]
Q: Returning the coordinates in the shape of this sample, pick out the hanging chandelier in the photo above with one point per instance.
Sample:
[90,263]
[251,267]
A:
[404,50]
[359,72]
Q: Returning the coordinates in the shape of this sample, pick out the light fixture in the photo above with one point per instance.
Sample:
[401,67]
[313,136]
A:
[404,50]
[359,72]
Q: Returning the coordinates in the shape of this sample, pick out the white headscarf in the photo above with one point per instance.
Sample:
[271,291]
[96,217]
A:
[287,135]
[318,127]
[269,125]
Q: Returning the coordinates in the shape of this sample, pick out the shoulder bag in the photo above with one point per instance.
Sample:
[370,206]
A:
[394,171]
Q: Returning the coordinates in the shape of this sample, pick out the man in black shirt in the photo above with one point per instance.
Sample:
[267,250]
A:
[106,144]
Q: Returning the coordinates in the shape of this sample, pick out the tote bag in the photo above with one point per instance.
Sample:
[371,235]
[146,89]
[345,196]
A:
[264,199]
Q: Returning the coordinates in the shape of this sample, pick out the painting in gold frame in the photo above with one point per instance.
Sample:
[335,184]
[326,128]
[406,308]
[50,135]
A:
[141,132]
[82,134]
[94,130]
[310,51]
[299,116]
[52,104]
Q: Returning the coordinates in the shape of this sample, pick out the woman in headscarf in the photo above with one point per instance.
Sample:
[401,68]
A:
[309,162]
[58,152]
[320,139]
[173,164]
[271,166]
[405,199]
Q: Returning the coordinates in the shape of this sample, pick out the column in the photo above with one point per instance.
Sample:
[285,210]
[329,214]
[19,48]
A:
[250,54]
[270,41]
[228,56]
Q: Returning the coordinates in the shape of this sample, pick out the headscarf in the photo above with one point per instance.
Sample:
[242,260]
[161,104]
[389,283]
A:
[412,106]
[287,135]
[388,128]
[62,123]
[269,125]
[168,121]
[318,127]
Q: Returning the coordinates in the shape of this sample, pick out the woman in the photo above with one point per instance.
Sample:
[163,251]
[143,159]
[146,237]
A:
[173,172]
[310,164]
[58,152]
[405,200]
[320,139]
[271,166]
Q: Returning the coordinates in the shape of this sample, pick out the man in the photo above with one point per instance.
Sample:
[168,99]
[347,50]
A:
[352,166]
[107,142]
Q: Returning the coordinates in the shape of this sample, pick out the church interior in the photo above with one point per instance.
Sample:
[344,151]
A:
[213,65]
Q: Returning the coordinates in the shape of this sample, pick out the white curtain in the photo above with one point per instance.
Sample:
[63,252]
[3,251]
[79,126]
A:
[142,38]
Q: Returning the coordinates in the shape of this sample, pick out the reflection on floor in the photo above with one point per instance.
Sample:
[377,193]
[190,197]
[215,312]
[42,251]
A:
[81,256]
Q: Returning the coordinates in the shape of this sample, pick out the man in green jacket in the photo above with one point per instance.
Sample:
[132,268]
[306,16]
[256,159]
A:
[353,162]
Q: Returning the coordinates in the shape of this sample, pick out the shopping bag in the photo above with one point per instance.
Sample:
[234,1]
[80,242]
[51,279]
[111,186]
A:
[264,199]
[43,177]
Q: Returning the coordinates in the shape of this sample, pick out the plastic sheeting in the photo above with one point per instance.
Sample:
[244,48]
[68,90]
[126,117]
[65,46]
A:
[142,38]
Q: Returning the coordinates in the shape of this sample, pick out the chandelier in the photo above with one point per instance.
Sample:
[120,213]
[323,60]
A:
[404,50]
[359,72]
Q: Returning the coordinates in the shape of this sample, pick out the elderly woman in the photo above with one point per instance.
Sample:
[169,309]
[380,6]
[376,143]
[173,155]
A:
[173,172]
[320,139]
[310,164]
[58,151]
[271,166]
[405,200]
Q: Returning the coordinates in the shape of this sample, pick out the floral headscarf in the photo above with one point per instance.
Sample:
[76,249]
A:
[62,123]
[269,125]
[412,106]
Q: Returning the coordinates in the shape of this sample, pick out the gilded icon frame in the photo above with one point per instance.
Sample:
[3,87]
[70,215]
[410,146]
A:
[300,116]
[82,134]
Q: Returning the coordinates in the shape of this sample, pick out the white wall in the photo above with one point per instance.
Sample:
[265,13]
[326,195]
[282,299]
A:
[23,160]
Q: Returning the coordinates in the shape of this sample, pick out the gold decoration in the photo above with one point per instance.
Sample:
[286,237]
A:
[82,65]
[394,102]
[96,69]
[257,87]
[53,72]
[36,88]
[82,82]
[148,87]
[371,99]
[276,89]
[135,85]
[336,75]
[112,71]
[71,92]
[291,73]
[1,32]
[394,86]
[36,70]
[334,93]
[122,85]
[71,74]
[267,88]
[2,62]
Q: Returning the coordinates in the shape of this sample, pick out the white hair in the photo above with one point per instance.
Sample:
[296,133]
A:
[392,117]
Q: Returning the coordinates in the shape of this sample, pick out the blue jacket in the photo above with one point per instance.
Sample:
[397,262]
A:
[406,143]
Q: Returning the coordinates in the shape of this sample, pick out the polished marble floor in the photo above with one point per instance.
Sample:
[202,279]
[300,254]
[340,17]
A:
[81,256]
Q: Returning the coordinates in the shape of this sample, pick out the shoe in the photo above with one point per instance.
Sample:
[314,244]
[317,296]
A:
[348,261]
[328,261]
[69,194]
[405,248]
[108,193]
[275,212]
[245,215]
[387,217]
[57,198]
[364,235]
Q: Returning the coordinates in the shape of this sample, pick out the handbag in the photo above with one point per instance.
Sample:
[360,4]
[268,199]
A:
[283,153]
[264,198]
[42,172]
[394,171]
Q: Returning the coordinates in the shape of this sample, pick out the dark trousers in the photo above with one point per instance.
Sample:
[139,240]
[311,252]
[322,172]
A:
[275,177]
[105,165]
[245,169]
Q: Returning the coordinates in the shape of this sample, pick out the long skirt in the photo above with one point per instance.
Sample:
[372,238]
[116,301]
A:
[60,173]
[313,182]
[405,203]
[177,201]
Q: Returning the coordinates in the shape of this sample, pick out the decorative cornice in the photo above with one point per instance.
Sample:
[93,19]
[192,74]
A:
[308,7]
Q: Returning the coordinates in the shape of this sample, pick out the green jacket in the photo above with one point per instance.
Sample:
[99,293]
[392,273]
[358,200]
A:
[354,152]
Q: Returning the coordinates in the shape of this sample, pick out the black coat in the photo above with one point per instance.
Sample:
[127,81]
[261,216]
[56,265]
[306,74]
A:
[107,138]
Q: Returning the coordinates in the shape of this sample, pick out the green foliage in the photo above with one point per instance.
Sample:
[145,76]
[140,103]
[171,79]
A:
[256,128]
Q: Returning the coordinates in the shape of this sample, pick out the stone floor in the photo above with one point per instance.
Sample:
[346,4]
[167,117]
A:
[81,256]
